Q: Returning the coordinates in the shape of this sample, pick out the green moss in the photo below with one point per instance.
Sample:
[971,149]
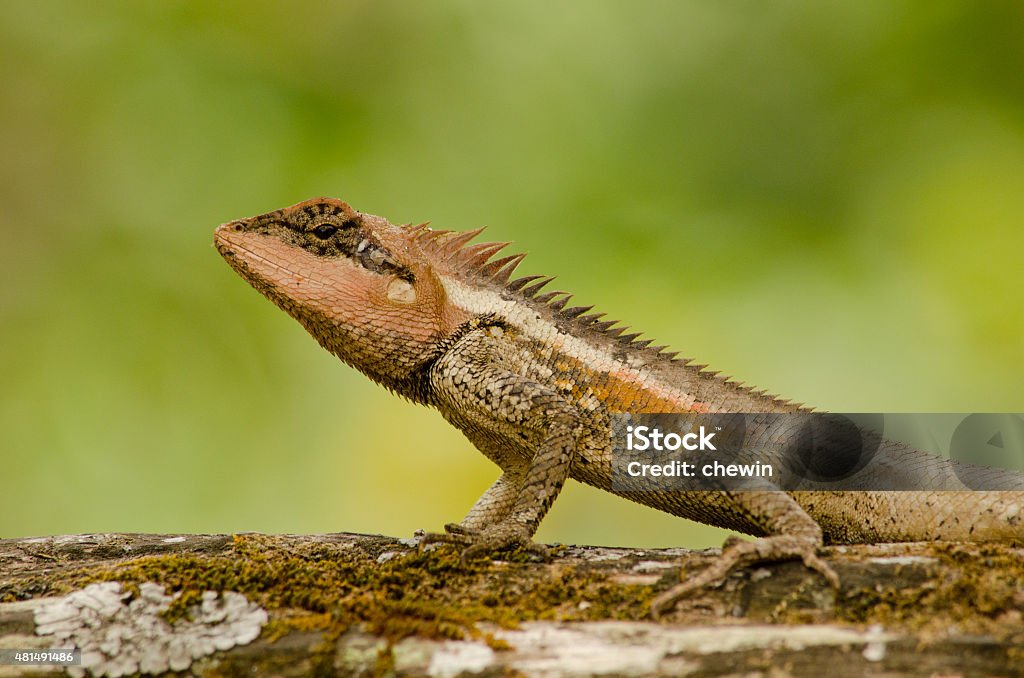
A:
[331,587]
[977,589]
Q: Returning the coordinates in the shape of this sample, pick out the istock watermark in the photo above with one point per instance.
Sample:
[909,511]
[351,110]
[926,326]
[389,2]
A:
[817,451]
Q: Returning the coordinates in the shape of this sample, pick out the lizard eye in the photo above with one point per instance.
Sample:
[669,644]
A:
[325,231]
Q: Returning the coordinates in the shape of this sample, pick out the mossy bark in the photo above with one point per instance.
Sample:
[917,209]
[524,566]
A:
[345,603]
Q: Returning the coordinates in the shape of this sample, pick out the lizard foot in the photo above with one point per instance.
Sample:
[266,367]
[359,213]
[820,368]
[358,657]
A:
[498,537]
[454,533]
[737,553]
[460,529]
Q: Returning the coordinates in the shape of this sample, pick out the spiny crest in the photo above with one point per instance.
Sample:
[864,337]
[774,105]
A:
[452,250]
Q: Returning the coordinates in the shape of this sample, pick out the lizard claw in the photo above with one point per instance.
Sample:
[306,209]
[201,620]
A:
[744,553]
[498,537]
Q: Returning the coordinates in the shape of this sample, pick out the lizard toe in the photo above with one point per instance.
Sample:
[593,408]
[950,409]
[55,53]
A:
[814,562]
[430,538]
[500,537]
[460,529]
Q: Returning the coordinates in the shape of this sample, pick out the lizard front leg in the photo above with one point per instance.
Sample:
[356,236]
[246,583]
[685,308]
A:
[490,401]
[792,534]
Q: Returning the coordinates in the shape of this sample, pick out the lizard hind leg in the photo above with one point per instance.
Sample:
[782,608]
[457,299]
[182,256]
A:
[792,534]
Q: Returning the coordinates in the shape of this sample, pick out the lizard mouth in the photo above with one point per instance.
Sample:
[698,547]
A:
[255,269]
[240,249]
[228,239]
[221,238]
[227,248]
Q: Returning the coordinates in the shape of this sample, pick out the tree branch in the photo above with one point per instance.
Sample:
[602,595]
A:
[291,605]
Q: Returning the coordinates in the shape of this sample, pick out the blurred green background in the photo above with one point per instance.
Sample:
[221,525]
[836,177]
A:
[823,198]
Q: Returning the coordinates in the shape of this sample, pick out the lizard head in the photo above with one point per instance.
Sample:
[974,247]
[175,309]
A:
[359,284]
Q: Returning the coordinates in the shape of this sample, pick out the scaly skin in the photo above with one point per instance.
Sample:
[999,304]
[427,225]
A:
[532,383]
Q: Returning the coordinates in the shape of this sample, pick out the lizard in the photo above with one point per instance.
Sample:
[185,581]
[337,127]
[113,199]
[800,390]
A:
[532,382]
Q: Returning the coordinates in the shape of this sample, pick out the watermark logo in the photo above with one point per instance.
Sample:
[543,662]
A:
[817,451]
[643,438]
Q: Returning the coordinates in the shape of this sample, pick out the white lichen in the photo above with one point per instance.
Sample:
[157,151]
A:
[119,634]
